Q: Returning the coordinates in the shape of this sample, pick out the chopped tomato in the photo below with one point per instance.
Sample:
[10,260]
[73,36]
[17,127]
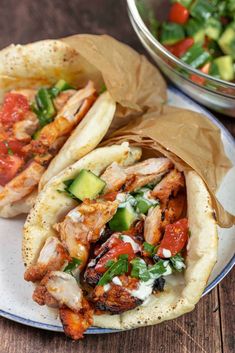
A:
[110,196]
[178,14]
[181,47]
[14,108]
[113,254]
[16,147]
[3,148]
[11,147]
[109,244]
[9,166]
[174,239]
[201,80]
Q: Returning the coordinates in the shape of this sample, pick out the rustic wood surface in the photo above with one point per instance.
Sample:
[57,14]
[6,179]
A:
[210,327]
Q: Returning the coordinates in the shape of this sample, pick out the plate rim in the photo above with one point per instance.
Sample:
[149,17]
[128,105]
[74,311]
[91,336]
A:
[219,277]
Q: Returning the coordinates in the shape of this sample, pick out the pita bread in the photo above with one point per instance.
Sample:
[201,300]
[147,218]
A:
[183,290]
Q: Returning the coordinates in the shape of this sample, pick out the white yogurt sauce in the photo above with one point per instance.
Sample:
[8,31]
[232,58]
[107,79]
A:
[75,216]
[117,281]
[166,253]
[107,287]
[129,240]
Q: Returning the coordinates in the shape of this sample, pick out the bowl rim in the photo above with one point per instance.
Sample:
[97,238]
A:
[133,10]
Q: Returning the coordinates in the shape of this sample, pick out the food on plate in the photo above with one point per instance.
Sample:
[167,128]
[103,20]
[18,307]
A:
[117,241]
[52,113]
[201,33]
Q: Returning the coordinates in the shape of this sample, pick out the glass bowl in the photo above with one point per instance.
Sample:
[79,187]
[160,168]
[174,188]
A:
[214,93]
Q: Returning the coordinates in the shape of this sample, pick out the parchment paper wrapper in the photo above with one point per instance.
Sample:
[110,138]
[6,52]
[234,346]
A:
[188,138]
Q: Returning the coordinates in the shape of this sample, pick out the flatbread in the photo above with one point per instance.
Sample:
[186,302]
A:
[43,63]
[183,290]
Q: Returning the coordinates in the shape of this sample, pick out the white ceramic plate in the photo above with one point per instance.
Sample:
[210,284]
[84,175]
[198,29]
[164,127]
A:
[15,293]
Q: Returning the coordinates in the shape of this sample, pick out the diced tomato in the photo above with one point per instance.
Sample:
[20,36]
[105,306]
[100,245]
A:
[3,148]
[110,196]
[180,48]
[178,14]
[16,147]
[201,80]
[9,166]
[113,254]
[14,108]
[109,244]
[174,239]
[11,147]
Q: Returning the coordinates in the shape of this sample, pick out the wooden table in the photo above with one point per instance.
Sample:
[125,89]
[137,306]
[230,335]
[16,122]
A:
[210,327]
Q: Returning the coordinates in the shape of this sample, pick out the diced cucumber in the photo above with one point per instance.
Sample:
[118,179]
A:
[193,26]
[171,33]
[199,37]
[225,67]
[227,41]
[196,56]
[202,9]
[213,28]
[123,219]
[60,86]
[195,29]
[86,185]
[143,205]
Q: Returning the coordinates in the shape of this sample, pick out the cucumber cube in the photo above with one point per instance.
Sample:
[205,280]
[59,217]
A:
[86,185]
[123,219]
[213,28]
[227,41]
[225,67]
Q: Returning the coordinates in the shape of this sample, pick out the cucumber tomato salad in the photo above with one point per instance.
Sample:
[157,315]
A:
[202,34]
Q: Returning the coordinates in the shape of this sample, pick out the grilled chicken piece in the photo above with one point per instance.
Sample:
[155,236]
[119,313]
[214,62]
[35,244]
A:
[114,176]
[22,185]
[76,323]
[150,166]
[68,117]
[175,209]
[83,225]
[64,288]
[42,297]
[63,98]
[169,185]
[152,226]
[51,258]
[146,172]
[24,129]
[115,298]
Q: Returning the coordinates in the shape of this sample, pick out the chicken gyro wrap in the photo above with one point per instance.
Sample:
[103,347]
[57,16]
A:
[55,107]
[120,239]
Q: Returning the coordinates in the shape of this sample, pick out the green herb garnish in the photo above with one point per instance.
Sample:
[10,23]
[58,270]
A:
[116,269]
[149,248]
[72,265]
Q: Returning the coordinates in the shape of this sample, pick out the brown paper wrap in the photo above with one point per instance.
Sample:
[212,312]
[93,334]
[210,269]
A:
[188,138]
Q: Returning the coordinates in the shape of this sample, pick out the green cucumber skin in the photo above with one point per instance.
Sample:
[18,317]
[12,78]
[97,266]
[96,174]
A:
[86,185]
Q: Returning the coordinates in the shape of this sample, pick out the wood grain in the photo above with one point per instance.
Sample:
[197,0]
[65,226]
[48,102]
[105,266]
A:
[210,327]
